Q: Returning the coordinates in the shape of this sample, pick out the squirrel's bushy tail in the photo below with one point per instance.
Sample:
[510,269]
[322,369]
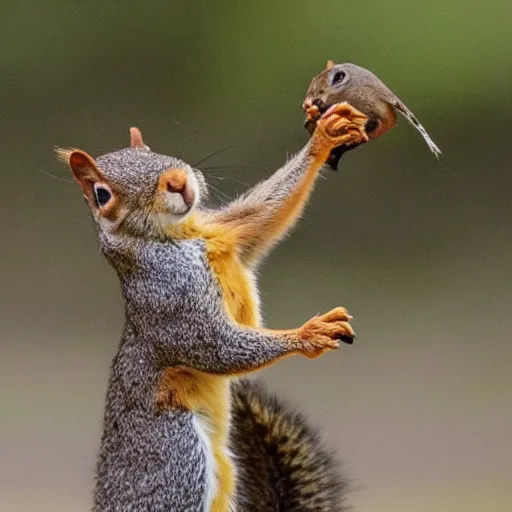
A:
[281,461]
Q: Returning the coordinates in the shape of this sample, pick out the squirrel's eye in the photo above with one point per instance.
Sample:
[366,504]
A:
[102,195]
[338,77]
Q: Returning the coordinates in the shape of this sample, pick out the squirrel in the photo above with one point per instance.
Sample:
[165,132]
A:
[363,90]
[191,314]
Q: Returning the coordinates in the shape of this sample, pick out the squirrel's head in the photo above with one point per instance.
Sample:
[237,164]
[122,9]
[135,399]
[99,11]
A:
[134,191]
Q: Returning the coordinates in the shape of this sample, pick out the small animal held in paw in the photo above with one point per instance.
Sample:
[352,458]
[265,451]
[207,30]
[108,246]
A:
[360,88]
[192,320]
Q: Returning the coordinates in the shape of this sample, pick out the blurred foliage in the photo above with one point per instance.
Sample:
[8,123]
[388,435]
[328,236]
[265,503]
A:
[93,61]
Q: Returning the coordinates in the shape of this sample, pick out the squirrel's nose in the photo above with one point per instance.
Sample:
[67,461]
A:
[178,181]
[174,180]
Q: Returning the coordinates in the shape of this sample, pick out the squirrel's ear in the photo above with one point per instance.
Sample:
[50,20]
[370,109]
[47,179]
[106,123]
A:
[83,167]
[96,188]
[330,64]
[136,141]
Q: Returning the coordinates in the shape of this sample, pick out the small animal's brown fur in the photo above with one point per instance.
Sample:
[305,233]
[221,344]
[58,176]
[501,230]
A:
[338,83]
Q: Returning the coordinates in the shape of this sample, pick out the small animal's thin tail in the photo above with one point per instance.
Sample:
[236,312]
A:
[402,108]
[281,462]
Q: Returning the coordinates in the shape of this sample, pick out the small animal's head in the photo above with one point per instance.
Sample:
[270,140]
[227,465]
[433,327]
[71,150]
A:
[359,87]
[135,192]
[366,92]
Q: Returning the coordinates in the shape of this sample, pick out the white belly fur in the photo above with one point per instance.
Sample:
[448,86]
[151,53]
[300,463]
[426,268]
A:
[201,428]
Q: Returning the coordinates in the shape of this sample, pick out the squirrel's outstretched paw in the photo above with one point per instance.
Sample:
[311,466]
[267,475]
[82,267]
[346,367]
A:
[324,332]
[341,125]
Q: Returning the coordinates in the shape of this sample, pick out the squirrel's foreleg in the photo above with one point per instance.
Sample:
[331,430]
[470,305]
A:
[224,348]
[269,210]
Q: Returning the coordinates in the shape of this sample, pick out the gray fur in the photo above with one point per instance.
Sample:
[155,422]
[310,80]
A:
[174,315]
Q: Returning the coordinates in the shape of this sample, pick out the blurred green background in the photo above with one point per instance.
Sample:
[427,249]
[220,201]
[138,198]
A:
[419,251]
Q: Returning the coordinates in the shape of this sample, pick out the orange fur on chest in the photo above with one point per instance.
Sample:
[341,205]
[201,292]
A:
[234,282]
[204,393]
[232,276]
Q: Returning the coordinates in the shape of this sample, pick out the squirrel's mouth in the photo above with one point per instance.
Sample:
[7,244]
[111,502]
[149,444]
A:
[178,203]
[175,207]
[170,219]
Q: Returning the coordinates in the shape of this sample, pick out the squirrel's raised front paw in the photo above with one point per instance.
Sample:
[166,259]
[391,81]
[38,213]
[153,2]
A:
[341,125]
[324,332]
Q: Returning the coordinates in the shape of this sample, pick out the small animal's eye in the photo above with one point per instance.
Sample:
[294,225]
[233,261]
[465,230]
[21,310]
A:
[102,194]
[338,77]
